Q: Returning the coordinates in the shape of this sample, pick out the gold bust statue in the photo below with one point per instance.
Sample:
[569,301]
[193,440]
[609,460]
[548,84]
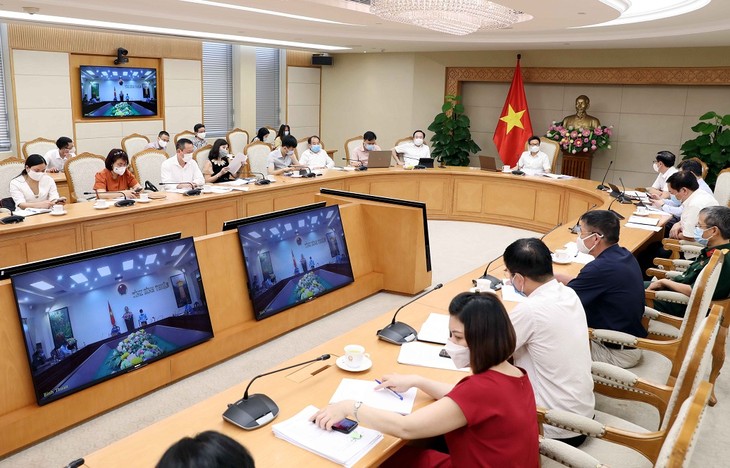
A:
[581,119]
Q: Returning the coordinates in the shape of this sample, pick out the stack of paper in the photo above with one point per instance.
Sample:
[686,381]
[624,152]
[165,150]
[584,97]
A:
[30,211]
[364,390]
[345,449]
[642,222]
[416,353]
[435,329]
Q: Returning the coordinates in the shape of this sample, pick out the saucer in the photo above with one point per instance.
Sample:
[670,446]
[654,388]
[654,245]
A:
[561,262]
[101,207]
[295,176]
[139,200]
[342,364]
[646,213]
[59,214]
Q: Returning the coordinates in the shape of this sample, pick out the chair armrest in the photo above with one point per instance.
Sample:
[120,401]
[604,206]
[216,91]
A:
[671,296]
[615,337]
[613,373]
[656,273]
[567,455]
[575,422]
[667,348]
[661,317]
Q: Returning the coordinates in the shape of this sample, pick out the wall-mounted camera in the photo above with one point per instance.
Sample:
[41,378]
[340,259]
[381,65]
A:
[121,56]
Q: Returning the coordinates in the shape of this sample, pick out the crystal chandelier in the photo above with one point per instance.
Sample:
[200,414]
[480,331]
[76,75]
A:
[458,17]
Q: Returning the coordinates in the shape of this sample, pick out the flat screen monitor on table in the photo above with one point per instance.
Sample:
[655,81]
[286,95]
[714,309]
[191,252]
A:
[88,320]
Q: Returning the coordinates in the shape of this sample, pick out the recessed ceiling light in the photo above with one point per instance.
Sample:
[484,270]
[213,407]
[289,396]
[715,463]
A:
[79,278]
[128,265]
[177,250]
[104,271]
[42,285]
[150,259]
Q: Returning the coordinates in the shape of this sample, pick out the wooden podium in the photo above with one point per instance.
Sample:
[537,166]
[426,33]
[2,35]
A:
[577,165]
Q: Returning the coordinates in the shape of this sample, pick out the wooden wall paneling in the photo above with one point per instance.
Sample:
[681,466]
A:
[467,197]
[359,186]
[576,206]
[548,206]
[187,221]
[299,58]
[215,216]
[13,252]
[436,193]
[501,201]
[52,243]
[406,188]
[106,234]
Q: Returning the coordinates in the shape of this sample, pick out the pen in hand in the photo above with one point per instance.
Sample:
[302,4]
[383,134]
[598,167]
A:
[390,390]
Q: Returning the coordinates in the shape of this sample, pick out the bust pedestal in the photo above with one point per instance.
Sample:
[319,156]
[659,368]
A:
[578,164]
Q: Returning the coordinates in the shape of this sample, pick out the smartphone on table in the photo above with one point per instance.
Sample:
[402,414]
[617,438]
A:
[345,426]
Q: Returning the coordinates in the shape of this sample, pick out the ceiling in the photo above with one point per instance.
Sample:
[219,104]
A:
[550,27]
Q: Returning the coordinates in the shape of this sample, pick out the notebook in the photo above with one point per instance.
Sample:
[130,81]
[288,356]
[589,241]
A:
[379,159]
[364,390]
[488,163]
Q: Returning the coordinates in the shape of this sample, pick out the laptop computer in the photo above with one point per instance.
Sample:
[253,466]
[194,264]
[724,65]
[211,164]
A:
[379,159]
[488,163]
[426,163]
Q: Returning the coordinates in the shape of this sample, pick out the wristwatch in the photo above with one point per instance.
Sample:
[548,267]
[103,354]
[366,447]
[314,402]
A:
[356,407]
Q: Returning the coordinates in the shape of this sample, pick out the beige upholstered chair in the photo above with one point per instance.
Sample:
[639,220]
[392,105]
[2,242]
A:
[201,155]
[237,140]
[146,165]
[351,144]
[271,136]
[302,146]
[257,154]
[134,143]
[38,146]
[80,173]
[551,148]
[9,170]
[403,140]
[703,164]
[722,188]
[184,134]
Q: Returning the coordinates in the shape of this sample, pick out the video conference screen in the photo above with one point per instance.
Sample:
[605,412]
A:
[91,320]
[118,92]
[294,258]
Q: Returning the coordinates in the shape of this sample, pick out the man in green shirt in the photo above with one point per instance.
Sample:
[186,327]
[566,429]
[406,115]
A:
[713,231]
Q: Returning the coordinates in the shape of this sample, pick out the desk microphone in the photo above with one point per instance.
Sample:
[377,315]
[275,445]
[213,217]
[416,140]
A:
[307,172]
[623,198]
[361,168]
[263,180]
[601,186]
[252,412]
[576,229]
[12,219]
[192,192]
[76,463]
[399,332]
[125,202]
[618,215]
[495,283]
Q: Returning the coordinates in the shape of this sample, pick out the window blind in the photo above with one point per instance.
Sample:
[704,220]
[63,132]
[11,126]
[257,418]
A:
[4,122]
[217,88]
[267,87]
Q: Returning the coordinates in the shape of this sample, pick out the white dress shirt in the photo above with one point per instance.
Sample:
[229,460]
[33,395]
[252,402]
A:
[661,180]
[412,153]
[675,209]
[171,171]
[534,164]
[22,193]
[553,348]
[55,161]
[691,207]
[316,160]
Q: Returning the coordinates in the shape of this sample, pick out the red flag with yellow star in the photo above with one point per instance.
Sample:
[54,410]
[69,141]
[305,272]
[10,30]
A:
[514,126]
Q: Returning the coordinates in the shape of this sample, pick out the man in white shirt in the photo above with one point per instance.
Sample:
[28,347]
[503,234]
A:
[199,138]
[283,159]
[552,335]
[56,158]
[685,187]
[673,206]
[412,151]
[534,161]
[163,138]
[664,165]
[182,169]
[315,157]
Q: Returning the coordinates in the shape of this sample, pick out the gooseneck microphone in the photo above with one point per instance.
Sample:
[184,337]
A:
[618,215]
[192,192]
[12,219]
[252,412]
[399,332]
[601,186]
[263,180]
[494,282]
[307,172]
[125,202]
[576,229]
[623,198]
[76,463]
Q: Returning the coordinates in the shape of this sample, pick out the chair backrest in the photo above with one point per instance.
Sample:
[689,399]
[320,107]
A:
[237,140]
[302,146]
[38,146]
[271,136]
[257,154]
[351,144]
[403,140]
[705,169]
[146,165]
[551,148]
[722,188]
[80,173]
[9,170]
[134,143]
[184,134]
[201,155]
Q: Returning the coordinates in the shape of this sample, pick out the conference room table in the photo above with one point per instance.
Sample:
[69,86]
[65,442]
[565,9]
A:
[315,383]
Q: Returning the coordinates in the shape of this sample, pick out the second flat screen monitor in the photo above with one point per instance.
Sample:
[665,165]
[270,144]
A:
[294,258]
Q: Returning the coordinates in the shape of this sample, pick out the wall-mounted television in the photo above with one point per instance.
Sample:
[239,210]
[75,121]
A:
[294,258]
[86,321]
[118,92]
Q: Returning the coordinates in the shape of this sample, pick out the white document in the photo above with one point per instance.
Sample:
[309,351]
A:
[556,176]
[435,329]
[235,164]
[644,226]
[345,449]
[578,257]
[416,353]
[510,295]
[30,211]
[364,390]
[238,182]
[643,220]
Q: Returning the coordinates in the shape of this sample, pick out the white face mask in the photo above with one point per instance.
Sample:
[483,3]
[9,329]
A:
[187,157]
[655,166]
[459,354]
[162,143]
[290,153]
[580,242]
[201,135]
[534,149]
[223,152]
[120,170]
[286,132]
[35,175]
[418,141]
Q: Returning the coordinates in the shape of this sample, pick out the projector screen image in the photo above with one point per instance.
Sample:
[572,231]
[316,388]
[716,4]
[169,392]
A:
[118,92]
[88,321]
[294,258]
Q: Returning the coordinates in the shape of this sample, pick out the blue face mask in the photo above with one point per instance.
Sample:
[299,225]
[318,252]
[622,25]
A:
[698,236]
[316,148]
[675,199]
[370,147]
[521,293]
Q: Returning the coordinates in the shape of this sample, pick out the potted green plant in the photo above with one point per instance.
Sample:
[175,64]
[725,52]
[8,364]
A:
[451,142]
[712,145]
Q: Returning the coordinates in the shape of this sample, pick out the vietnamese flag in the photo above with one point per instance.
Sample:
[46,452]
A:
[111,314]
[514,126]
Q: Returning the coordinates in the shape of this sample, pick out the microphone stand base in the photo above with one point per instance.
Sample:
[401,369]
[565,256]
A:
[398,333]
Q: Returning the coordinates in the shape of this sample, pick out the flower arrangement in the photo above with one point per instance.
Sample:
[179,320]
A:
[308,285]
[580,140]
[137,347]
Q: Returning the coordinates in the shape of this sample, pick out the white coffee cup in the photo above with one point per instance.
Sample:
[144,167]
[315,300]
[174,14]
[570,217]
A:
[483,284]
[354,356]
[562,255]
[144,196]
[57,209]
[642,210]
[100,204]
[506,168]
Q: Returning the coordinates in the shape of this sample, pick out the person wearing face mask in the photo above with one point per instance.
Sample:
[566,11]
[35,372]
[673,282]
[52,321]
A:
[611,287]
[534,161]
[116,177]
[664,166]
[284,130]
[684,186]
[199,138]
[315,157]
[283,159]
[361,154]
[487,419]
[261,135]
[216,167]
[182,168]
[412,151]
[56,158]
[163,138]
[713,232]
[33,188]
[551,330]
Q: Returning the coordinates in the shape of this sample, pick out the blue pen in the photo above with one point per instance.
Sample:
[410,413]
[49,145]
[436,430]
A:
[390,390]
